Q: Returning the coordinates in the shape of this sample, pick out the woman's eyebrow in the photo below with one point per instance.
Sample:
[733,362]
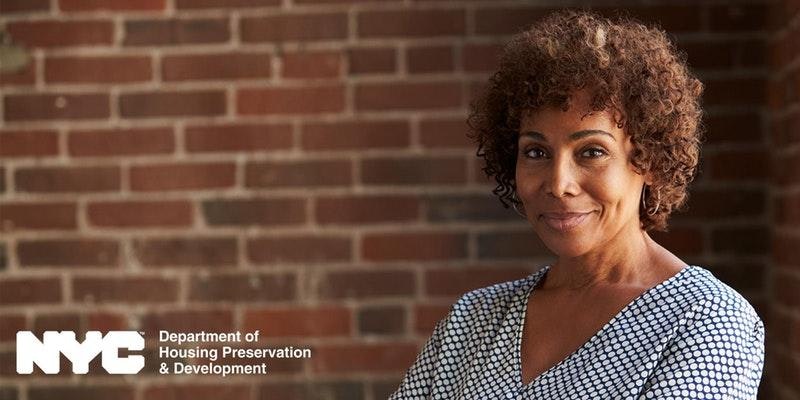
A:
[572,137]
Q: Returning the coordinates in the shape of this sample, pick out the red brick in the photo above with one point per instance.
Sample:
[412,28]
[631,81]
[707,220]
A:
[786,168]
[786,132]
[734,91]
[445,133]
[69,253]
[197,391]
[414,171]
[169,104]
[407,96]
[135,214]
[426,317]
[343,1]
[787,291]
[187,321]
[21,107]
[247,212]
[383,389]
[383,357]
[294,27]
[463,208]
[411,23]
[371,60]
[21,216]
[252,287]
[481,57]
[741,127]
[24,6]
[787,209]
[67,179]
[335,390]
[382,320]
[26,76]
[724,204]
[98,392]
[739,165]
[786,250]
[457,281]
[9,325]
[430,59]
[312,65]
[290,100]
[201,4]
[359,134]
[414,246]
[300,249]
[50,33]
[107,321]
[216,66]
[120,142]
[364,209]
[238,137]
[672,18]
[104,69]
[746,277]
[506,20]
[29,291]
[298,174]
[738,17]
[7,366]
[167,32]
[38,143]
[192,252]
[130,289]
[683,241]
[511,245]
[366,284]
[57,322]
[298,322]
[182,176]
[98,5]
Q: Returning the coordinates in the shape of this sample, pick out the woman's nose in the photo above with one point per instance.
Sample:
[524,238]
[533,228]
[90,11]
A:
[561,179]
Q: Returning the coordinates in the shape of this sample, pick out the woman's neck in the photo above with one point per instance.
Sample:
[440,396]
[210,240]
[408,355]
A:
[628,259]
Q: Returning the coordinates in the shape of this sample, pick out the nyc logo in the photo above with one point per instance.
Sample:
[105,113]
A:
[46,353]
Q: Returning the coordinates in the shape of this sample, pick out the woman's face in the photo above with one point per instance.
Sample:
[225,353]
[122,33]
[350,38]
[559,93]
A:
[574,179]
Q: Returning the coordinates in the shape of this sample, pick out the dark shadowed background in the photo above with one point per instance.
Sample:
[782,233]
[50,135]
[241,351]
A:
[301,167]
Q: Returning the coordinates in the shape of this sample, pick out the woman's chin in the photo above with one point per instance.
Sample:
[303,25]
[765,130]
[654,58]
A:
[565,247]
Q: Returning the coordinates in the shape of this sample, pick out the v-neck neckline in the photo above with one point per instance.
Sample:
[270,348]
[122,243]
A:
[521,324]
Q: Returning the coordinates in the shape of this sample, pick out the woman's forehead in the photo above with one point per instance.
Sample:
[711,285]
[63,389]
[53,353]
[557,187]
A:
[555,120]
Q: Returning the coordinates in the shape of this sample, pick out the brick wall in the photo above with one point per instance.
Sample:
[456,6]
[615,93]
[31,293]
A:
[300,167]
[784,102]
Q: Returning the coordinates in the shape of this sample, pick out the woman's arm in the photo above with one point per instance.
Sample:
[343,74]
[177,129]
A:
[719,355]
[419,378]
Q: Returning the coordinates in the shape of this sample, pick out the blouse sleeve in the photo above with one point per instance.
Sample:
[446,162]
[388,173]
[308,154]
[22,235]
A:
[720,355]
[419,378]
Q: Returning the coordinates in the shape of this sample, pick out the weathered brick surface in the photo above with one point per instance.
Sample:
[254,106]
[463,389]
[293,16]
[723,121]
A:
[784,160]
[302,168]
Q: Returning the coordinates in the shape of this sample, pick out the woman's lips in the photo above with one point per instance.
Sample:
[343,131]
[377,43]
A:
[564,222]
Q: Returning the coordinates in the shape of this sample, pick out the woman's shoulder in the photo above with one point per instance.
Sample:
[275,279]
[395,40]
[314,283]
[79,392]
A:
[708,296]
[497,298]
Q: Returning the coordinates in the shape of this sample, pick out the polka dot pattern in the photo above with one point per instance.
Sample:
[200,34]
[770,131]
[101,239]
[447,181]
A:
[690,337]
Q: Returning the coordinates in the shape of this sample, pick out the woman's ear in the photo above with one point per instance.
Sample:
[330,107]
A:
[648,178]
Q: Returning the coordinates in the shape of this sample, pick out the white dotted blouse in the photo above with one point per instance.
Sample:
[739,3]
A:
[690,337]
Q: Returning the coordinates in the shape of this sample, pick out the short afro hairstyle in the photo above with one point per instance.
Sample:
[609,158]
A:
[627,67]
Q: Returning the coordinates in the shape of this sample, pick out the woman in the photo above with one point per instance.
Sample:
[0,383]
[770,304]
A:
[591,130]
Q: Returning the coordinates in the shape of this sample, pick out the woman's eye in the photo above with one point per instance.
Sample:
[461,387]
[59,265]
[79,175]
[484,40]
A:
[594,153]
[534,153]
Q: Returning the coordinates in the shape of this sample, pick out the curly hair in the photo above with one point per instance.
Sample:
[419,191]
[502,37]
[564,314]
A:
[627,67]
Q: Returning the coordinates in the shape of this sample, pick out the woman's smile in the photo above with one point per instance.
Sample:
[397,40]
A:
[564,222]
